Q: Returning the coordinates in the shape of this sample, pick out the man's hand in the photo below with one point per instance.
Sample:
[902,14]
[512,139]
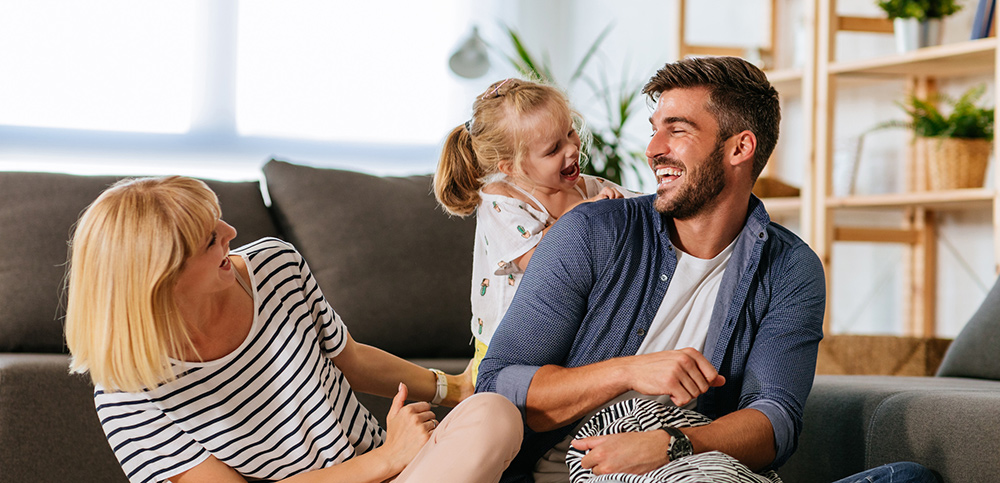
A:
[682,374]
[635,452]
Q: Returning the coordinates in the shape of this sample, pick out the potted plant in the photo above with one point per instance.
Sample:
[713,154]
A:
[917,23]
[957,145]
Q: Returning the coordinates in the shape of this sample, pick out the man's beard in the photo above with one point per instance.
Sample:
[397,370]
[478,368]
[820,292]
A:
[700,189]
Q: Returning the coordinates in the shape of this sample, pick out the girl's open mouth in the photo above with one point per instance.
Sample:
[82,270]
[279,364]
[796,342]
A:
[572,172]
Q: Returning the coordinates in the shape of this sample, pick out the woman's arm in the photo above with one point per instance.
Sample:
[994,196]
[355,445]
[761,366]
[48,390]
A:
[409,428]
[374,371]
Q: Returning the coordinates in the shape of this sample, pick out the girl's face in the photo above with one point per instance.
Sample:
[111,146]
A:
[209,270]
[552,158]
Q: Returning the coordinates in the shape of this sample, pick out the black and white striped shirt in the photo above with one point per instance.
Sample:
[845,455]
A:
[274,407]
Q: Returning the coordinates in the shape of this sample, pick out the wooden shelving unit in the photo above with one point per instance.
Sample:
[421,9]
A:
[816,84]
[920,70]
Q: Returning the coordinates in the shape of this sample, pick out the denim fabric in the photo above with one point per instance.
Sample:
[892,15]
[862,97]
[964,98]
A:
[597,279]
[904,472]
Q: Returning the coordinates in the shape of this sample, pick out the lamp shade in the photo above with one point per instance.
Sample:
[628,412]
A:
[471,59]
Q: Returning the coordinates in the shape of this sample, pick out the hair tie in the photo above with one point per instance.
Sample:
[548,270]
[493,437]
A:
[468,126]
[496,90]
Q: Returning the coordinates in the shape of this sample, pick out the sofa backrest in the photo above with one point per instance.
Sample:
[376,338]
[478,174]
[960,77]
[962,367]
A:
[393,265]
[974,352]
[37,215]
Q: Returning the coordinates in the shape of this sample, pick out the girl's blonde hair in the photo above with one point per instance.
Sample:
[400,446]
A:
[128,248]
[473,151]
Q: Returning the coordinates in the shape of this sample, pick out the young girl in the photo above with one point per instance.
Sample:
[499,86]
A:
[516,164]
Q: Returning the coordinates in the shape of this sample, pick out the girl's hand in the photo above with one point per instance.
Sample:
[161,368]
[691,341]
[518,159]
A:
[409,426]
[607,193]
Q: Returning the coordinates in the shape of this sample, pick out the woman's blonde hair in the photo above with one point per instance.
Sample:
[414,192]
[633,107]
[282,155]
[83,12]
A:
[128,248]
[473,151]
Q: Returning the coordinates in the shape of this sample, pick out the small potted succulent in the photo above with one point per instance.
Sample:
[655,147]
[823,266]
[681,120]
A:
[917,23]
[957,145]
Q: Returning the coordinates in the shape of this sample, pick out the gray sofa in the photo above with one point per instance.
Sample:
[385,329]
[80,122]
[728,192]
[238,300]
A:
[949,423]
[396,268]
[392,264]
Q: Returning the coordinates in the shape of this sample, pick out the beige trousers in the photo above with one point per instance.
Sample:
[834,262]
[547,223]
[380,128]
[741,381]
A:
[473,444]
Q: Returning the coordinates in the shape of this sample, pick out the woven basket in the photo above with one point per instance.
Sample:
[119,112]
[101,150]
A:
[954,163]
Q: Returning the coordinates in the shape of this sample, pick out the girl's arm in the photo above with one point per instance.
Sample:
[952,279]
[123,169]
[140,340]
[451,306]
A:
[606,193]
[375,371]
[409,428]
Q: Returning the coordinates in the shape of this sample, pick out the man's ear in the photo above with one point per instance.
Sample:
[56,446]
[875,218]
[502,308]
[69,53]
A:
[741,148]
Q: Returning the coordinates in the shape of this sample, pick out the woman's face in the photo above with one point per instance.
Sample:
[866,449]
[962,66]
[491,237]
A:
[209,269]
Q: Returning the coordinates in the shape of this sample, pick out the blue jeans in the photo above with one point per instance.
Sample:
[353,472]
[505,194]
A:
[905,472]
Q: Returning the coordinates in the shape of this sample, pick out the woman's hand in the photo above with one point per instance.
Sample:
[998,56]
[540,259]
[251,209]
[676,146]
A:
[409,426]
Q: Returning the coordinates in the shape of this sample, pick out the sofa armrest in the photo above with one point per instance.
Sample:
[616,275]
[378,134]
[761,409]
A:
[852,423]
[48,426]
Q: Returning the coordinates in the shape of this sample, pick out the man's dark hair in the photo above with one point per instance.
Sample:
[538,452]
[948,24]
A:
[740,98]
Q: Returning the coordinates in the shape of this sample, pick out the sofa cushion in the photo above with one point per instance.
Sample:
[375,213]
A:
[953,433]
[388,259]
[974,351]
[37,214]
[49,430]
[840,436]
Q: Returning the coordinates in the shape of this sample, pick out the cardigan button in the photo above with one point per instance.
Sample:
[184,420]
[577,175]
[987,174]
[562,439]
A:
[641,331]
[664,277]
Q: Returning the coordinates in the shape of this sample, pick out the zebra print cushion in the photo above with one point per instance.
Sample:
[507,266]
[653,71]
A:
[646,415]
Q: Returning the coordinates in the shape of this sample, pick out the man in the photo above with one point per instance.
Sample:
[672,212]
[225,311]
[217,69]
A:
[692,295]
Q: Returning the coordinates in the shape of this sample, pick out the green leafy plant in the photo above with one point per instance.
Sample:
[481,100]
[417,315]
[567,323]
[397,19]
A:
[918,9]
[966,120]
[606,153]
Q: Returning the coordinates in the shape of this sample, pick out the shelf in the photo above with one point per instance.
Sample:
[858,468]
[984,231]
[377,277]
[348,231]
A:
[786,81]
[784,206]
[945,199]
[974,57]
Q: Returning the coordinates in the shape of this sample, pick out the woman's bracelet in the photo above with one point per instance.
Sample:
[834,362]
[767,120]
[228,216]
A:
[442,386]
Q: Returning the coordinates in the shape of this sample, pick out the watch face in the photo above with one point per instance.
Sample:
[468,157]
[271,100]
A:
[680,445]
[679,448]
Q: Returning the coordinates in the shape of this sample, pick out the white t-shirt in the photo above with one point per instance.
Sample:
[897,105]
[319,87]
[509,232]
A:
[275,407]
[681,321]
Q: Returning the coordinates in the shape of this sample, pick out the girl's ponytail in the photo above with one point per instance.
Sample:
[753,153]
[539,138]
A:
[458,177]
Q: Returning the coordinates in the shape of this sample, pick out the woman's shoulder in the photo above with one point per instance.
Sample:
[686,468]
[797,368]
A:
[267,249]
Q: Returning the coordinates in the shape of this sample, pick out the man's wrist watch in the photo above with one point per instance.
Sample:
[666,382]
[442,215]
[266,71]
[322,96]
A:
[680,445]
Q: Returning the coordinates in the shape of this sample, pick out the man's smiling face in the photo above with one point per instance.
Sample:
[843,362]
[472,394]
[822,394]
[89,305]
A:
[685,153]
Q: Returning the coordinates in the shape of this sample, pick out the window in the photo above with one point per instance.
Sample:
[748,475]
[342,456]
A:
[216,88]
[114,65]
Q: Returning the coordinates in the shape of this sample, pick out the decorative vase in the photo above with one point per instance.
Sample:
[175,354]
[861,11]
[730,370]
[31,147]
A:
[955,163]
[912,34]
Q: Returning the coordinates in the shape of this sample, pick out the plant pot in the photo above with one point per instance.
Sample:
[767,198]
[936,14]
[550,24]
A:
[954,163]
[912,34]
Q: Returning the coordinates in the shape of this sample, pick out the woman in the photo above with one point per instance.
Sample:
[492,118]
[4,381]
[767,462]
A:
[218,366]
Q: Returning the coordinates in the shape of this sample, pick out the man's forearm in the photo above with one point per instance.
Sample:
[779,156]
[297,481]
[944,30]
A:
[558,395]
[746,435]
